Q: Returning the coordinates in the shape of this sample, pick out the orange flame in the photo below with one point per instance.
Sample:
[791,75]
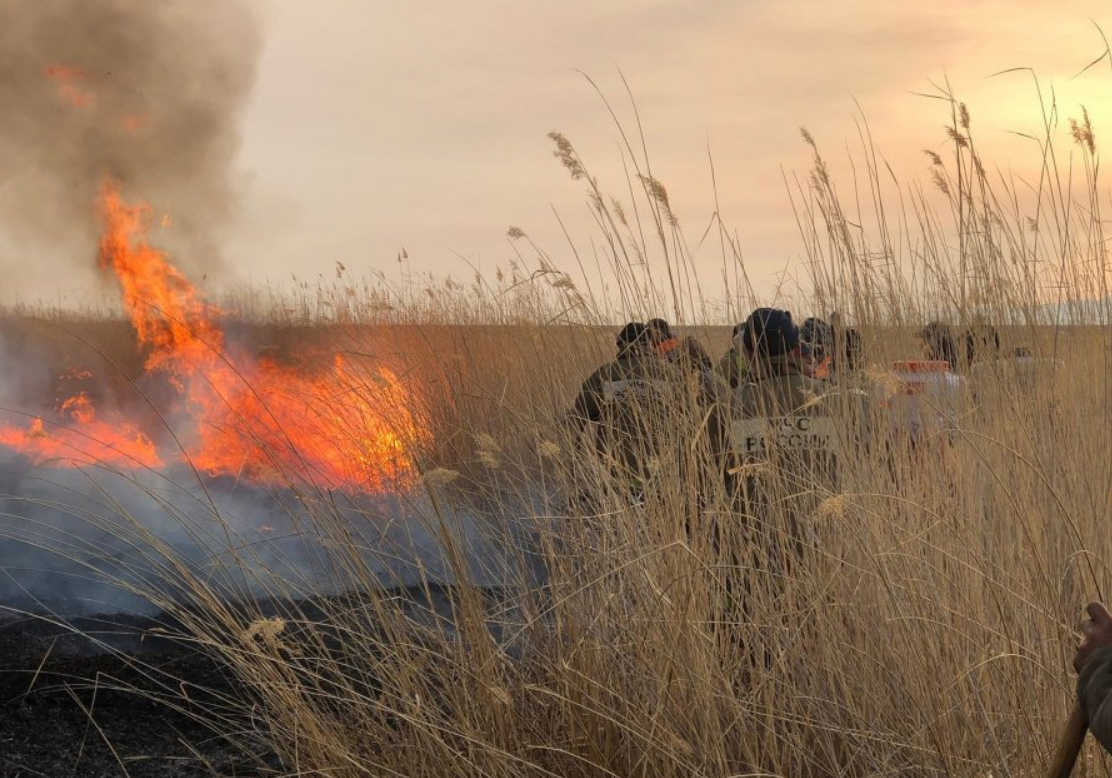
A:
[163,306]
[248,418]
[89,440]
[72,84]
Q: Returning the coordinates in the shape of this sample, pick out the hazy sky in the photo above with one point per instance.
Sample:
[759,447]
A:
[381,125]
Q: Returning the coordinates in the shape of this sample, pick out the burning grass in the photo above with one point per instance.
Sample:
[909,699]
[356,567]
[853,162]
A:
[235,414]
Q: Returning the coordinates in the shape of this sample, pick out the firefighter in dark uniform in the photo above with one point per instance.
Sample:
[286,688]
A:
[791,435]
[624,407]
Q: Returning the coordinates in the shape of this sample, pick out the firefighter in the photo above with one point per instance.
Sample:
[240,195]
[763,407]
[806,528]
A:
[789,436]
[624,407]
[790,432]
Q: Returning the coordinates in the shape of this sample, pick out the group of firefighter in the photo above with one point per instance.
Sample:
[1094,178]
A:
[774,424]
[775,397]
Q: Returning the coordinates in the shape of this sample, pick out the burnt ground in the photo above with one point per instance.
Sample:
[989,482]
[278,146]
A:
[124,702]
[116,695]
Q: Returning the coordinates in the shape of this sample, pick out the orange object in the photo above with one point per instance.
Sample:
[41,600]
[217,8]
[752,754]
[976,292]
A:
[823,369]
[666,347]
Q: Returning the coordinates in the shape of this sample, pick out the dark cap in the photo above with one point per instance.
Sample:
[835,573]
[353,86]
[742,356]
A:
[770,332]
[633,334]
[815,331]
[660,326]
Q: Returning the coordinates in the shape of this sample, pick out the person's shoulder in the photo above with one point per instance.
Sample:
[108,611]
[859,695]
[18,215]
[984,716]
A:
[602,373]
[639,367]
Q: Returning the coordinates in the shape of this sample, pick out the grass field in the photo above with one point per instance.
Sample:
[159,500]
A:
[924,629]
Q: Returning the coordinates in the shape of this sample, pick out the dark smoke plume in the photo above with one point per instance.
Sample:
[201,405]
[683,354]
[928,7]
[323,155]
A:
[146,91]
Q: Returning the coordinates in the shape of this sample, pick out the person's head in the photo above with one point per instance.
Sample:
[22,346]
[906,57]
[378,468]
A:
[815,330]
[660,329]
[769,333]
[633,338]
[660,332]
[938,342]
[816,341]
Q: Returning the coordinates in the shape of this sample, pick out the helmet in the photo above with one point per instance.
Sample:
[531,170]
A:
[633,335]
[770,332]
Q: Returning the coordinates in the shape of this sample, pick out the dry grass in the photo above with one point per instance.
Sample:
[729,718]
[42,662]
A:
[925,627]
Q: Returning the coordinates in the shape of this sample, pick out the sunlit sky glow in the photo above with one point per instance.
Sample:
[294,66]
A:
[376,126]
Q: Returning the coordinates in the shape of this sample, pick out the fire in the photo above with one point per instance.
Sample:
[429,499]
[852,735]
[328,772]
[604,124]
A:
[168,315]
[330,425]
[239,416]
[72,83]
[116,443]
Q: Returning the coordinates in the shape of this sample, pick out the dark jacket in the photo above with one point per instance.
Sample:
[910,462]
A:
[790,435]
[1094,691]
[643,413]
[625,407]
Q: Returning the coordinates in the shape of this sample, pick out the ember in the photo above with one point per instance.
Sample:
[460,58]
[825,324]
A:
[72,83]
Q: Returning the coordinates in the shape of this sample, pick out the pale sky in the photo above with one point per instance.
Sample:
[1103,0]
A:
[421,124]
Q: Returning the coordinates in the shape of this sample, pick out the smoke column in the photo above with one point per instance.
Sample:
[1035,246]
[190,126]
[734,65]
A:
[147,92]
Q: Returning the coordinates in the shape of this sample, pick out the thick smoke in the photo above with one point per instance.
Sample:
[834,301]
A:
[149,93]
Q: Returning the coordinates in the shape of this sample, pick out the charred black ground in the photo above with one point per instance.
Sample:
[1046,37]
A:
[116,695]
[119,700]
